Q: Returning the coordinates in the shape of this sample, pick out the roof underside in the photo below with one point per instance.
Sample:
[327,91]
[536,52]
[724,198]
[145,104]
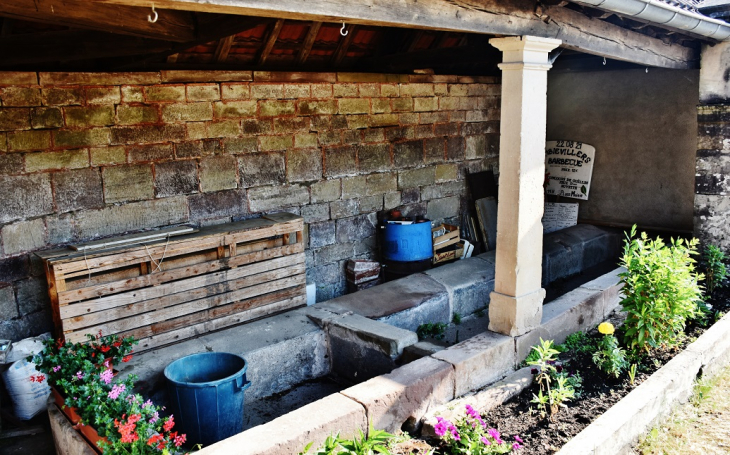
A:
[30,40]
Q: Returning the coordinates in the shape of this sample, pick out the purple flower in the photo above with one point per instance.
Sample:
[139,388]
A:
[106,376]
[147,403]
[559,368]
[441,426]
[155,417]
[533,371]
[485,441]
[493,433]
[56,368]
[116,390]
[516,446]
[455,433]
[519,439]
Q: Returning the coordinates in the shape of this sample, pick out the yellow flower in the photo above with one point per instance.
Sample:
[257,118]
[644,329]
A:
[605,328]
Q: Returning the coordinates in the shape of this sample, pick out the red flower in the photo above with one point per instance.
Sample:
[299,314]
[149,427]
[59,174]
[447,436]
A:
[127,358]
[154,439]
[134,418]
[169,423]
[178,440]
[104,348]
[117,344]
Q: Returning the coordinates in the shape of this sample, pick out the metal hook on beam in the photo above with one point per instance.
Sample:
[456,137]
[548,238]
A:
[152,19]
[342,30]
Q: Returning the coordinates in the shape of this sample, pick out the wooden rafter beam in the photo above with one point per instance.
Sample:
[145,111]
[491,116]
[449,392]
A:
[171,25]
[271,38]
[343,46]
[308,42]
[223,48]
[73,45]
[509,18]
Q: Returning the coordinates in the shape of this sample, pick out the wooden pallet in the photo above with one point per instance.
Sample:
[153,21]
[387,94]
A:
[215,278]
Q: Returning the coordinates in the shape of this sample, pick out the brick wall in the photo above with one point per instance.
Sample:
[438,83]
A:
[712,179]
[88,155]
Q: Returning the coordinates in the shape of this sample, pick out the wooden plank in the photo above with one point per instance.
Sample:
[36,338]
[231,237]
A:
[188,331]
[277,229]
[153,317]
[224,46]
[200,296]
[171,25]
[181,286]
[509,18]
[271,38]
[308,42]
[343,46]
[82,280]
[135,239]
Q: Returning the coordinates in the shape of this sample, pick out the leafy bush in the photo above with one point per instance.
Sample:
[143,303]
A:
[715,268]
[376,443]
[660,290]
[578,343]
[431,330]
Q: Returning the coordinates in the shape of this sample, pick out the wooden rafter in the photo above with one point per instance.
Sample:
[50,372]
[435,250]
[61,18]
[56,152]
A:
[413,42]
[271,38]
[509,17]
[126,20]
[343,46]
[223,48]
[308,42]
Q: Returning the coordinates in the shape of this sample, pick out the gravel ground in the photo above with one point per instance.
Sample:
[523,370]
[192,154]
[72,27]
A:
[701,426]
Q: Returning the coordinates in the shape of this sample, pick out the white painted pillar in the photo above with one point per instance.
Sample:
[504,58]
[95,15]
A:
[516,304]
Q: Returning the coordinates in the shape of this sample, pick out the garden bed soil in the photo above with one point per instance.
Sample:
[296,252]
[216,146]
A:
[545,436]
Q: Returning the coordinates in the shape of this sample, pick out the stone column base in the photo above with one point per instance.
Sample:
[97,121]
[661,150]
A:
[515,315]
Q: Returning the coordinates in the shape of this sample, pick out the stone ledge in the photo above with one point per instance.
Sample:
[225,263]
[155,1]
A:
[468,283]
[620,427]
[290,433]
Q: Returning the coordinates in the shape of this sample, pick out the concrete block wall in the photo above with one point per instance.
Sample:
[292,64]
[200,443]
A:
[712,179]
[88,155]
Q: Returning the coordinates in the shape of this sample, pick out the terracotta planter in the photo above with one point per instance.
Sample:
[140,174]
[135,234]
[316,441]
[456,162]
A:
[68,411]
[91,436]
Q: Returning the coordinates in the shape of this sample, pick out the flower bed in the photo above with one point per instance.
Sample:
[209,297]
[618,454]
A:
[112,418]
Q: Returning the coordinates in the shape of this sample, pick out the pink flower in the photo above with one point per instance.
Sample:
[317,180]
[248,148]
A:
[79,375]
[147,403]
[169,423]
[116,390]
[155,417]
[485,441]
[56,368]
[518,439]
[516,446]
[106,376]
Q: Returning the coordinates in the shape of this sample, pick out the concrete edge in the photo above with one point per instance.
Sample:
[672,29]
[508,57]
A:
[406,394]
[619,428]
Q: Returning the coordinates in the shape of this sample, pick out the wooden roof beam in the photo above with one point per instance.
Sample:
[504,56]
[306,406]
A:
[271,38]
[308,42]
[343,46]
[171,25]
[507,18]
[223,48]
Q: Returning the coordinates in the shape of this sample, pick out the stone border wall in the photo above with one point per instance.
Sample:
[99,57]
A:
[89,155]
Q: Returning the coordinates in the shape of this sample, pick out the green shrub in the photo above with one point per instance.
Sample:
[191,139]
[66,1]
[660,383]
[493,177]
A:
[555,386]
[578,343]
[715,269]
[431,330]
[660,290]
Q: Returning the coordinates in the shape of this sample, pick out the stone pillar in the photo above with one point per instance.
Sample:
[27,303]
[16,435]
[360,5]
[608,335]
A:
[516,304]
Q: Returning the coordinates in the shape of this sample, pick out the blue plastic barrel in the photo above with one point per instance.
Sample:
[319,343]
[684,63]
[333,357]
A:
[408,242]
[206,392]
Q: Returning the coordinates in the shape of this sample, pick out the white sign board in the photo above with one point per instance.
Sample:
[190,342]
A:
[569,166]
[559,215]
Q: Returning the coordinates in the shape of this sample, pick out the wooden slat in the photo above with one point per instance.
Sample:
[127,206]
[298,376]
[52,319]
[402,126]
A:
[175,287]
[504,17]
[277,229]
[186,308]
[188,331]
[270,41]
[308,42]
[191,270]
[207,294]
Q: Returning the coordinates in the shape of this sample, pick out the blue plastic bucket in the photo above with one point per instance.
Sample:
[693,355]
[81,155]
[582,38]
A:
[206,392]
[408,242]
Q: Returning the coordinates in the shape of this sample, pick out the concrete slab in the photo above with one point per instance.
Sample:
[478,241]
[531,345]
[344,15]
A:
[389,298]
[362,348]
[479,361]
[290,433]
[468,283]
[483,400]
[405,395]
